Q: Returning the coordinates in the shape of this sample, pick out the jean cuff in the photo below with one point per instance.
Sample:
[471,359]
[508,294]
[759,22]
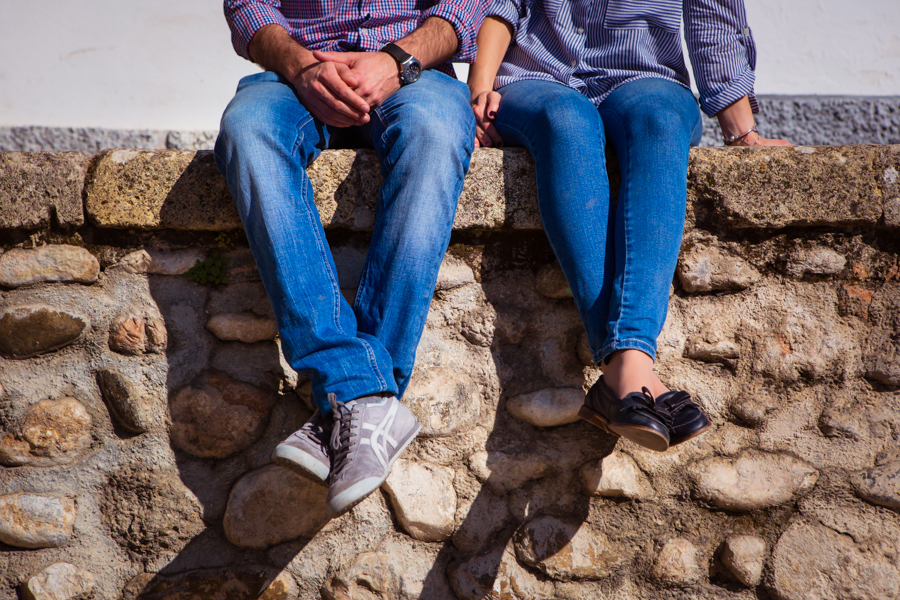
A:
[609,348]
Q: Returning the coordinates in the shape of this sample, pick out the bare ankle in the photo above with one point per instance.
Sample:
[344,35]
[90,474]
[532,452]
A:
[629,371]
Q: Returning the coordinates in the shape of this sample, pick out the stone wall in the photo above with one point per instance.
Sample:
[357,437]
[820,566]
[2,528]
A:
[139,406]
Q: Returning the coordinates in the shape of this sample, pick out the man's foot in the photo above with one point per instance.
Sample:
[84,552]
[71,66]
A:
[306,451]
[368,435]
[633,417]
[688,421]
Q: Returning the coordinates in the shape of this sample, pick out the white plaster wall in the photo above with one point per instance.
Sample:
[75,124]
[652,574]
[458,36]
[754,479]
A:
[827,46]
[168,64]
[155,64]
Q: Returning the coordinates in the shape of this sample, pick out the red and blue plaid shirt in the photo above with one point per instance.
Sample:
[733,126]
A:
[353,25]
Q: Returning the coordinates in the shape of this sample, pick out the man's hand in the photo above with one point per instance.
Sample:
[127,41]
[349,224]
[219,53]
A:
[376,74]
[485,105]
[326,91]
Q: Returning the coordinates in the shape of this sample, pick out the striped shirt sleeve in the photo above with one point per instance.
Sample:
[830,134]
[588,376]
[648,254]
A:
[508,10]
[246,17]
[466,17]
[722,52]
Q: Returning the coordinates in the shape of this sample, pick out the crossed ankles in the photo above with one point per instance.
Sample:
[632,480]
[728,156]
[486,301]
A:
[657,424]
[354,452]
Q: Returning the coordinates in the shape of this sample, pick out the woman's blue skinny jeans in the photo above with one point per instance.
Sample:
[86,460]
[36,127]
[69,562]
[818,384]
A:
[619,258]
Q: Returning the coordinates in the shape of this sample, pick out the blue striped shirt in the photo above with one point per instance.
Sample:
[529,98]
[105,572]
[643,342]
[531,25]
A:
[594,46]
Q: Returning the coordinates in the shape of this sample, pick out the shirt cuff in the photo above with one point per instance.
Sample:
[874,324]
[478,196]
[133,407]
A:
[460,16]
[735,90]
[247,20]
[507,11]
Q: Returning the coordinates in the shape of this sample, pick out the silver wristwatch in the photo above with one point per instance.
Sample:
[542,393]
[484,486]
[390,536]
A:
[410,67]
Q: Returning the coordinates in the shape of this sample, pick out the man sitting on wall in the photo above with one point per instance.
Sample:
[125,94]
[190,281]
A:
[378,72]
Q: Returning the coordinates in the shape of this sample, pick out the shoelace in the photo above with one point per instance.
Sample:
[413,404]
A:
[315,430]
[673,402]
[341,432]
[645,403]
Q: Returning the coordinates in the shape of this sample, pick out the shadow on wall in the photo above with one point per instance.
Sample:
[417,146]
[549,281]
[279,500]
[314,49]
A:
[449,520]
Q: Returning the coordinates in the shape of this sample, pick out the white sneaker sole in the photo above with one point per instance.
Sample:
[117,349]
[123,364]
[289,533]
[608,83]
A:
[301,463]
[357,492]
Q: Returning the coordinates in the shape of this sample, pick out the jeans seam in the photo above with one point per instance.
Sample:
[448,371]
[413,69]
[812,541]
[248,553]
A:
[373,362]
[384,140]
[361,290]
[336,310]
[378,208]
[624,186]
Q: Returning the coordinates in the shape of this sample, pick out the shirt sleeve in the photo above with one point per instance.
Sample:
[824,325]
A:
[466,17]
[246,17]
[722,51]
[510,11]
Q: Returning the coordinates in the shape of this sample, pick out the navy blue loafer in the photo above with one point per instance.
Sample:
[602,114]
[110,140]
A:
[687,420]
[633,417]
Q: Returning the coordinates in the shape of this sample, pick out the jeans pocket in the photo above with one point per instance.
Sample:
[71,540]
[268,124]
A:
[643,14]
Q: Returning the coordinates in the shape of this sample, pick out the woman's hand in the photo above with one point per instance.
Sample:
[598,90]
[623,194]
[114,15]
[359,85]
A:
[485,105]
[736,119]
[493,40]
[754,139]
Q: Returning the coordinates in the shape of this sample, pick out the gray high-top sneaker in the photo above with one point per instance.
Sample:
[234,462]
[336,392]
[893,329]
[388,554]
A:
[307,451]
[368,435]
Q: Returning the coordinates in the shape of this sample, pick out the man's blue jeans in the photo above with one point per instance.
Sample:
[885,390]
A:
[423,136]
[619,260]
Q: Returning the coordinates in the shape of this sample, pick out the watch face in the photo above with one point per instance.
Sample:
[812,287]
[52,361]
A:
[412,72]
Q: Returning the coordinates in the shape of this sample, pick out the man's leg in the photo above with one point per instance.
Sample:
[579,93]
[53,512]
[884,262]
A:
[266,141]
[424,136]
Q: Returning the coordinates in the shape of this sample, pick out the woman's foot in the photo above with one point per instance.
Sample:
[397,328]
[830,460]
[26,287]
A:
[687,420]
[629,376]
[633,416]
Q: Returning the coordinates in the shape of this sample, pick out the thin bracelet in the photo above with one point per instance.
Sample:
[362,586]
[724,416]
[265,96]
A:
[735,138]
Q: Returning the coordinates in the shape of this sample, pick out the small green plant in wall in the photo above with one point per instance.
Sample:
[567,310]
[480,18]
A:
[210,271]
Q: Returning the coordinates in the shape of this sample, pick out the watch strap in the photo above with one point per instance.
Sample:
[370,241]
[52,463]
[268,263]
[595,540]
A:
[397,52]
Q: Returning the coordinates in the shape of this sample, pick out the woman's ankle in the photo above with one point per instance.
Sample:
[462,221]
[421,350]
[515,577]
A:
[658,388]
[629,371]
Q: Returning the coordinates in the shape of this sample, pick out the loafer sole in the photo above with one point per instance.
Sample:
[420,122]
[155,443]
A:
[691,435]
[642,436]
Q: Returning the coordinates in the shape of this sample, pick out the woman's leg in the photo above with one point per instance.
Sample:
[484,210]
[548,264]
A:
[651,124]
[564,134]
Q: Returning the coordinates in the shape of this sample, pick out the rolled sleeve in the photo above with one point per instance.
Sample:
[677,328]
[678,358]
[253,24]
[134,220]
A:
[507,10]
[737,88]
[466,17]
[246,17]
[722,51]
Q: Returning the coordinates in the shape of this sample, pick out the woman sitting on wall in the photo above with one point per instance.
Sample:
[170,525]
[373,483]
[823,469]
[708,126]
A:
[579,73]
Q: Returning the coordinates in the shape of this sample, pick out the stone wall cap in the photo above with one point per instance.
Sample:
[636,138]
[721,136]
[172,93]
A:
[739,188]
[37,187]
